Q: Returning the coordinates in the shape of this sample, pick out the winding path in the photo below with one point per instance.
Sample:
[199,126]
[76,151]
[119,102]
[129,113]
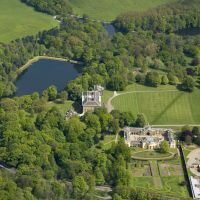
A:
[11,170]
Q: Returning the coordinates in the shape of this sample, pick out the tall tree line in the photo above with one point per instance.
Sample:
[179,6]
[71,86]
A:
[52,7]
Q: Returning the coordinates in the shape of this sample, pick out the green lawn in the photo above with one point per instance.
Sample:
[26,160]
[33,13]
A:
[172,185]
[62,107]
[106,95]
[161,107]
[18,20]
[151,155]
[110,9]
[107,142]
[164,184]
[145,182]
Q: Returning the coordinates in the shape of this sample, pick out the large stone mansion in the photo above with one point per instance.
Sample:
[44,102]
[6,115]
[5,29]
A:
[92,99]
[148,137]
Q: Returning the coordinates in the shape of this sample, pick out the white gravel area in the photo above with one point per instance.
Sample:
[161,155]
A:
[194,161]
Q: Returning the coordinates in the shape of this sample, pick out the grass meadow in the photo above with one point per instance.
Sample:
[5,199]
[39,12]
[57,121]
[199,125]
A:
[109,9]
[170,185]
[161,105]
[18,20]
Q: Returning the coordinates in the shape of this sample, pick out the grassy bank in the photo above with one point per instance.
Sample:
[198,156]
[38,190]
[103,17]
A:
[18,20]
[37,58]
[109,9]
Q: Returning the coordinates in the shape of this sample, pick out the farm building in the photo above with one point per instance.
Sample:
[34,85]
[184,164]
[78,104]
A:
[148,137]
[92,99]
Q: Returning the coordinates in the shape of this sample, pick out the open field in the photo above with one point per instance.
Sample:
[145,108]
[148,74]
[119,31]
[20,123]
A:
[163,105]
[109,9]
[18,20]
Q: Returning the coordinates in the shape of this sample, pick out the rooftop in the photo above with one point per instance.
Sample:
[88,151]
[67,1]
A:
[91,98]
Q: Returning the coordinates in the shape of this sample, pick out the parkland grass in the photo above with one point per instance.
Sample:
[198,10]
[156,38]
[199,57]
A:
[109,9]
[18,20]
[162,106]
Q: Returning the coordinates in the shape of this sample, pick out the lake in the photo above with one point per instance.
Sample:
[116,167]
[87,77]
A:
[110,29]
[44,73]
[108,26]
[189,31]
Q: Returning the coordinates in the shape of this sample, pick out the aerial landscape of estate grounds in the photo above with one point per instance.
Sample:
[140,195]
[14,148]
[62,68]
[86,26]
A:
[99,99]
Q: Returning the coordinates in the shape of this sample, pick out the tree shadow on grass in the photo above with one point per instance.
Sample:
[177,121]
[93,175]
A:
[198,83]
[166,108]
[77,106]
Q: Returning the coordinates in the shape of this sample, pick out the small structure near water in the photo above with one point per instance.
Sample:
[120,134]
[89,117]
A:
[148,137]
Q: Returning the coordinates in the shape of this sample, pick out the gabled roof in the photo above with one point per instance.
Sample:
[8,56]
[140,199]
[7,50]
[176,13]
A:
[91,98]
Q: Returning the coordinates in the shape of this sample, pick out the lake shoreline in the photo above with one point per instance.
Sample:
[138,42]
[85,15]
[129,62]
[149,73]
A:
[43,72]
[37,58]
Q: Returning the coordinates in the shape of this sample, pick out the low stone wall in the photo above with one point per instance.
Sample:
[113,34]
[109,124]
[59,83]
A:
[185,170]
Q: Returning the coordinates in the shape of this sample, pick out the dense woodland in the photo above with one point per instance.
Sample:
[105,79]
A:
[114,63]
[52,7]
[168,18]
[58,159]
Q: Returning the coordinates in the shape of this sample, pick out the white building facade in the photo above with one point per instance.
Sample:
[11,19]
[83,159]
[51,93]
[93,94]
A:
[148,137]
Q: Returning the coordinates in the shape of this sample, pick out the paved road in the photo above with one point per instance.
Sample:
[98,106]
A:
[11,170]
[104,188]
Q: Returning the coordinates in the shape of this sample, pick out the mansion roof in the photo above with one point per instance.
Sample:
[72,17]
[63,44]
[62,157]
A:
[91,98]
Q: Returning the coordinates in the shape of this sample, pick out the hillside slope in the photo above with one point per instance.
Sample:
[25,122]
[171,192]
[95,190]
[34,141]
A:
[110,9]
[18,20]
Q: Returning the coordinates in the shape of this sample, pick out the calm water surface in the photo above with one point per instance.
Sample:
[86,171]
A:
[40,75]
[189,32]
[110,29]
